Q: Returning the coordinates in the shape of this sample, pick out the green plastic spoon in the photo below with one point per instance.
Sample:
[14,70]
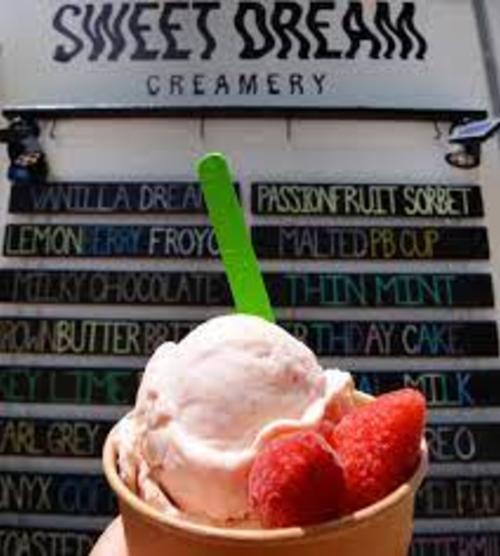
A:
[233,238]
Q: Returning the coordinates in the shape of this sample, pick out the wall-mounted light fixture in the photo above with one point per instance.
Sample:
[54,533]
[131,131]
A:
[466,139]
[27,160]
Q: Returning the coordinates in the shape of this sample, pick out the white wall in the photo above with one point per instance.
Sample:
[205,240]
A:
[493,12]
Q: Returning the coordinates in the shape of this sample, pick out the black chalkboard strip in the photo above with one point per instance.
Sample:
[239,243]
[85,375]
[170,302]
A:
[380,290]
[325,338]
[136,288]
[449,442]
[371,243]
[458,497]
[287,289]
[397,338]
[89,336]
[308,199]
[271,242]
[367,200]
[65,494]
[171,197]
[442,388]
[117,386]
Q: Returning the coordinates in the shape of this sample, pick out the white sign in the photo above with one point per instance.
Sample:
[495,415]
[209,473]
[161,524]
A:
[298,54]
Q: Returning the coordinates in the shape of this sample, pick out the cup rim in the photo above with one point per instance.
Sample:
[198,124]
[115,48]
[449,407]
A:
[189,527]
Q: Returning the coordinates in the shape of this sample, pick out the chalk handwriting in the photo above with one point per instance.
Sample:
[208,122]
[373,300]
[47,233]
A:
[440,201]
[79,337]
[49,438]
[69,386]
[441,389]
[381,339]
[63,494]
[462,497]
[447,389]
[97,198]
[451,443]
[456,544]
[46,542]
[24,240]
[377,290]
[370,243]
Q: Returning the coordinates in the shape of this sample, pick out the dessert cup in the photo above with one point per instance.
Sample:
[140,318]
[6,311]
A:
[382,529]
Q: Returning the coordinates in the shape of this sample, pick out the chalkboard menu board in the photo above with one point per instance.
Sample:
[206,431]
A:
[428,315]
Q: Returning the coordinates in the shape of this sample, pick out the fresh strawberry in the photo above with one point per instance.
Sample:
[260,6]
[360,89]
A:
[325,428]
[379,445]
[296,480]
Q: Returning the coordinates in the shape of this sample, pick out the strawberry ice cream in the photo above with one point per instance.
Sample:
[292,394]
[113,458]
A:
[207,406]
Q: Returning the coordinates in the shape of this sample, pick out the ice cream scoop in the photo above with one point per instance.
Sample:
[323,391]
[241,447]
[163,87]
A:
[208,404]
